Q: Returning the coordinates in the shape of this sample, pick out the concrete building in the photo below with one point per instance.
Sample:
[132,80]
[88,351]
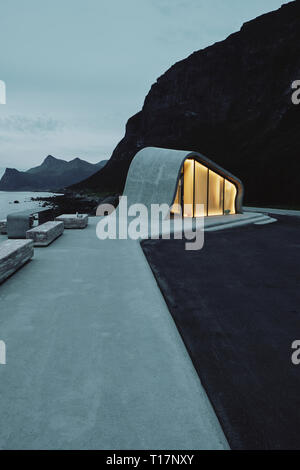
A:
[182,180]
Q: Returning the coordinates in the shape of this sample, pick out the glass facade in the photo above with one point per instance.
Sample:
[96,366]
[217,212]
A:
[215,193]
[230,194]
[200,185]
[188,188]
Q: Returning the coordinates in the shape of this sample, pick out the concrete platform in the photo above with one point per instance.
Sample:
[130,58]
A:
[94,359]
[213,224]
[216,223]
[267,210]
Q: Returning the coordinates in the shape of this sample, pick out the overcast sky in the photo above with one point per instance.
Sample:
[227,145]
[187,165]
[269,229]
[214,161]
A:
[76,70]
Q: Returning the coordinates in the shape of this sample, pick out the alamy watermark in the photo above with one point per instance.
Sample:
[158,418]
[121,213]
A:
[2,353]
[296,354]
[296,95]
[2,92]
[136,222]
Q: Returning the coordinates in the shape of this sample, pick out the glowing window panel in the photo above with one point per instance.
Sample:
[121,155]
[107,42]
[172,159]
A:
[215,194]
[188,188]
[230,196]
[204,192]
[200,189]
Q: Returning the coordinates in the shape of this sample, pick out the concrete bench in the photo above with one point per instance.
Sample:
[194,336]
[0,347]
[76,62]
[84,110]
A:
[44,234]
[3,227]
[74,220]
[13,255]
[19,222]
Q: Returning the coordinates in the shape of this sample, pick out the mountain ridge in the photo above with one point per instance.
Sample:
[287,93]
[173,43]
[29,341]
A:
[52,174]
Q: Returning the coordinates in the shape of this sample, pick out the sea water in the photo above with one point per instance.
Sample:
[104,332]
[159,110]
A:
[8,198]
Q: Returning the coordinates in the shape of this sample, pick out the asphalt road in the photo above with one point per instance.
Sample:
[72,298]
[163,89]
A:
[236,304]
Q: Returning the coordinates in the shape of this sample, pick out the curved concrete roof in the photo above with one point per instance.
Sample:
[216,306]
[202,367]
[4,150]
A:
[154,172]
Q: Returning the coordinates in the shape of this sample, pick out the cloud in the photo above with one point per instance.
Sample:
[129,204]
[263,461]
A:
[25,144]
[25,124]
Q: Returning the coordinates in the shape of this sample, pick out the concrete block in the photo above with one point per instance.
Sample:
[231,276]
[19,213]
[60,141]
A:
[74,220]
[44,234]
[19,222]
[13,255]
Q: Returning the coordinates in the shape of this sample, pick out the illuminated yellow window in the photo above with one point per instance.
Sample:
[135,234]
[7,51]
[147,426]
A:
[204,192]
[201,173]
[188,188]
[230,195]
[215,194]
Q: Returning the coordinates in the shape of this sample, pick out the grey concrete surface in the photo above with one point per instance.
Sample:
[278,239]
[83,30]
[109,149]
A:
[267,210]
[94,360]
[218,223]
[208,224]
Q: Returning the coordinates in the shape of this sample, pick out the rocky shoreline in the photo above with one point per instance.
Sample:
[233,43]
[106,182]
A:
[70,203]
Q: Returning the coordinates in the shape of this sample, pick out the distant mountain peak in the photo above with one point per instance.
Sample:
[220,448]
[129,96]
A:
[50,158]
[78,161]
[51,161]
[52,174]
[9,171]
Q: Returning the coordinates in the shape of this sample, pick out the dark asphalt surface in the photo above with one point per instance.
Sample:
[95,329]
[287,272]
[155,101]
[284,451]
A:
[236,304]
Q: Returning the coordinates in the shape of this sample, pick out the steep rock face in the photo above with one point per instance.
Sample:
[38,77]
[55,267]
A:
[52,174]
[231,102]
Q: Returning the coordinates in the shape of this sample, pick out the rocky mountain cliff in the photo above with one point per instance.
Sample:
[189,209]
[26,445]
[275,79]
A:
[231,102]
[52,174]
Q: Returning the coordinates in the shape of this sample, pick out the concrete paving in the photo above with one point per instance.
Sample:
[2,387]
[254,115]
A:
[225,222]
[94,359]
[267,210]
